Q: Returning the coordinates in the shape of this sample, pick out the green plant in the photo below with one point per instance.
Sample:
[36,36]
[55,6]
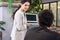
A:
[1,23]
[35,6]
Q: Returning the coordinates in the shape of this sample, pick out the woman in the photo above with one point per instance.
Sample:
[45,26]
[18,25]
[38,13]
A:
[19,26]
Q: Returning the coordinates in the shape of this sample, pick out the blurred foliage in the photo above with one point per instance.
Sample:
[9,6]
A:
[3,0]
[35,6]
[1,23]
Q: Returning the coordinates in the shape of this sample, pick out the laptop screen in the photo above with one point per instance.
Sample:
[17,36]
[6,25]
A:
[31,17]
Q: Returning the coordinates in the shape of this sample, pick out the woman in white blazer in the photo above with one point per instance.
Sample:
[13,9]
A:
[19,26]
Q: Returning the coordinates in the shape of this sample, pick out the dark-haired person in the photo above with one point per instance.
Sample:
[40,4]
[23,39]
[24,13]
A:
[19,26]
[43,32]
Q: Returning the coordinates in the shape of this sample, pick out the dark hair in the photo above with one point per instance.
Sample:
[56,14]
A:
[46,18]
[22,1]
[15,11]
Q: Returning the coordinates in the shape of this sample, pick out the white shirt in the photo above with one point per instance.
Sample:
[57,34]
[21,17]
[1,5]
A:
[19,23]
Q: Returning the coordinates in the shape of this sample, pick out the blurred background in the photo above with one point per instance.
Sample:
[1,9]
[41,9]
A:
[7,7]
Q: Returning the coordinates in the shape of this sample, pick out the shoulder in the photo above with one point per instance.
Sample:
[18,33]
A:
[19,13]
[55,34]
[31,31]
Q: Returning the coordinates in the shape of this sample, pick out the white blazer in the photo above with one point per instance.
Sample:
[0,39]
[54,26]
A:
[19,26]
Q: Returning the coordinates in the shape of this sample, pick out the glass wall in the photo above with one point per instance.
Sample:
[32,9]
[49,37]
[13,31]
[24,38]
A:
[53,7]
[58,14]
[46,6]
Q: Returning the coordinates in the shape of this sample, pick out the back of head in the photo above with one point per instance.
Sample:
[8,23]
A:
[46,18]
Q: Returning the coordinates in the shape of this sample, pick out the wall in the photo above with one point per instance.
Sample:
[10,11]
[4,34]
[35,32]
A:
[6,16]
[8,26]
[0,13]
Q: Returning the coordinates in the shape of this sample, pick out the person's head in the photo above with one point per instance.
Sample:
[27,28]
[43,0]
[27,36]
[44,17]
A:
[25,4]
[46,18]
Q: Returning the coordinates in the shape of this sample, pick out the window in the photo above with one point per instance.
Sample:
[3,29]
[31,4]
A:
[46,6]
[58,14]
[53,7]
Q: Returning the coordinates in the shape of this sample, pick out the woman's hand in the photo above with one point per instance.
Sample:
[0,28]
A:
[28,24]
